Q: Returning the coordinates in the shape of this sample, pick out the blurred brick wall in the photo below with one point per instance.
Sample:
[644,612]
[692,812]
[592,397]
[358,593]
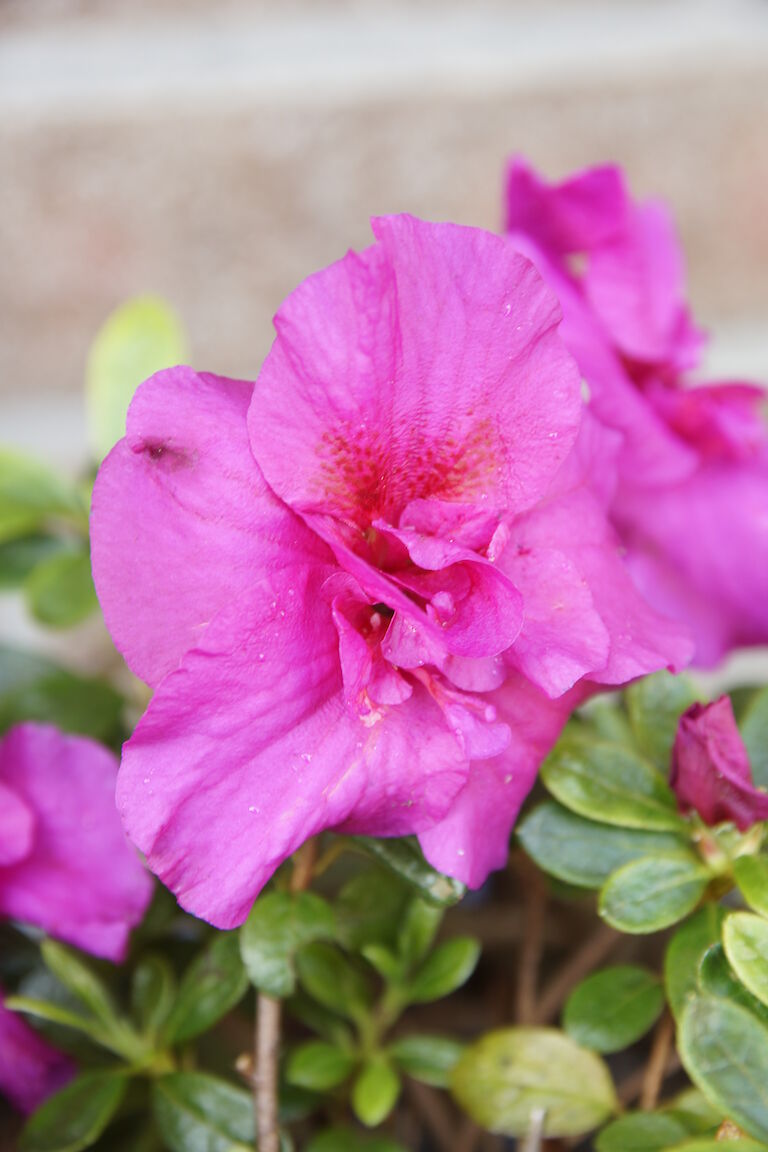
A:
[217,153]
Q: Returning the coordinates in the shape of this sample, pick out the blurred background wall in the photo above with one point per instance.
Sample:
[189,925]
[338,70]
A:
[217,152]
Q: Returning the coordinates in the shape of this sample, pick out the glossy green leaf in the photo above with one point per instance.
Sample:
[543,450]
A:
[34,689]
[319,1066]
[323,1021]
[346,1140]
[327,975]
[200,1113]
[754,732]
[641,1132]
[375,1092]
[153,993]
[430,1059]
[59,592]
[717,978]
[652,893]
[507,1075]
[136,340]
[32,495]
[611,784]
[724,1049]
[654,705]
[71,971]
[417,931]
[685,952]
[751,875]
[212,985]
[75,1117]
[745,940]
[446,969]
[279,925]
[583,852]
[614,1007]
[370,908]
[404,857]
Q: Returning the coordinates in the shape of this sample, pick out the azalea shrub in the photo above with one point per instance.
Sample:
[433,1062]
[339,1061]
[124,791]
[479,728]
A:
[400,815]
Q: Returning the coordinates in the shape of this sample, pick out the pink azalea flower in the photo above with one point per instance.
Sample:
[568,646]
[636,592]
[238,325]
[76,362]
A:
[691,503]
[368,589]
[30,1069]
[65,864]
[710,767]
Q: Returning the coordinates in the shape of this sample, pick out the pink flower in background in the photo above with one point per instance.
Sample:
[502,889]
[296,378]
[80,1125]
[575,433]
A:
[691,503]
[65,864]
[30,1070]
[710,767]
[368,589]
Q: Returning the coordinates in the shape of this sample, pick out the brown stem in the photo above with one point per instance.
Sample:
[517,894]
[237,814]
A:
[434,1113]
[591,953]
[653,1077]
[265,1081]
[532,946]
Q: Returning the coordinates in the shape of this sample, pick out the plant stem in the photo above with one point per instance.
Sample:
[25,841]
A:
[657,1063]
[265,1081]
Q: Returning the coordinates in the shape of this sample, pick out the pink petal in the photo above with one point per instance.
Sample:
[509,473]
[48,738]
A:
[30,1070]
[414,371]
[81,880]
[182,518]
[249,748]
[473,839]
[587,209]
[17,827]
[710,767]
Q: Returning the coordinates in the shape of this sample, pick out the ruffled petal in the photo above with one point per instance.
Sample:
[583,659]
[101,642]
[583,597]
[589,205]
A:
[249,748]
[17,827]
[81,880]
[182,518]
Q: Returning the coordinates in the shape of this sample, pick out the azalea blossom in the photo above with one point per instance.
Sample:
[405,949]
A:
[65,864]
[691,503]
[368,589]
[30,1069]
[711,770]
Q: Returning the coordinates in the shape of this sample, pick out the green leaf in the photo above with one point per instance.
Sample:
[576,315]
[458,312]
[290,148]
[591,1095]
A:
[652,893]
[19,556]
[32,688]
[430,1059]
[58,1014]
[65,964]
[319,1066]
[200,1113]
[59,592]
[449,966]
[724,1050]
[716,978]
[611,784]
[153,992]
[641,1132]
[280,923]
[703,1144]
[506,1075]
[319,1019]
[136,340]
[754,733]
[751,875]
[655,704]
[611,1009]
[583,852]
[346,1140]
[75,1117]
[745,940]
[388,966]
[418,930]
[212,985]
[685,952]
[375,1092]
[328,976]
[404,857]
[31,495]
[370,907]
